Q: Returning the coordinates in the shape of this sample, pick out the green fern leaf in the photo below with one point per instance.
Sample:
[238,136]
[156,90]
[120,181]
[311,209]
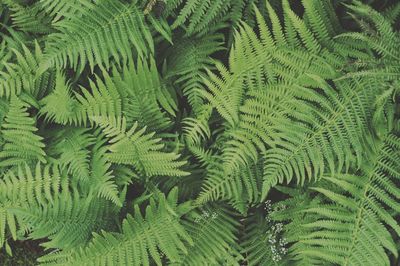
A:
[21,143]
[106,23]
[351,226]
[143,237]
[134,147]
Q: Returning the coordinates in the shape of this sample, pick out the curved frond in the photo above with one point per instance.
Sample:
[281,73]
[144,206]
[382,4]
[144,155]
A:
[27,188]
[18,74]
[105,23]
[351,226]
[71,146]
[214,231]
[139,149]
[198,17]
[187,62]
[68,221]
[145,96]
[21,143]
[30,19]
[102,179]
[60,106]
[62,8]
[153,237]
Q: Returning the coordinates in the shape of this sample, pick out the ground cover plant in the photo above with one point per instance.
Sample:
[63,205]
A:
[214,132]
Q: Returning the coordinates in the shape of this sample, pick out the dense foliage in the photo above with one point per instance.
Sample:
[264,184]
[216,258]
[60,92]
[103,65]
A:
[213,132]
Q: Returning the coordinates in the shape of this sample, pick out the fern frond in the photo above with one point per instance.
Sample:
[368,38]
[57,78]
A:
[106,23]
[57,9]
[392,12]
[30,19]
[307,37]
[68,221]
[71,147]
[5,54]
[263,243]
[3,111]
[102,179]
[235,103]
[214,231]
[351,227]
[201,16]
[135,147]
[27,188]
[241,187]
[103,98]
[21,143]
[271,88]
[292,209]
[153,237]
[308,148]
[318,15]
[137,92]
[187,62]
[196,130]
[60,106]
[20,75]
[145,95]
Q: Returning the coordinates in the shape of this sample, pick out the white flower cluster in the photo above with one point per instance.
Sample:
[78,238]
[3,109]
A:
[275,240]
[277,243]
[268,210]
[205,216]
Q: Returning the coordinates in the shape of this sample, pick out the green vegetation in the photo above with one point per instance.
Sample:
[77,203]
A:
[214,132]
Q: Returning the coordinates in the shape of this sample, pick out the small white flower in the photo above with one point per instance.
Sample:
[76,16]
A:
[278,227]
[283,251]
